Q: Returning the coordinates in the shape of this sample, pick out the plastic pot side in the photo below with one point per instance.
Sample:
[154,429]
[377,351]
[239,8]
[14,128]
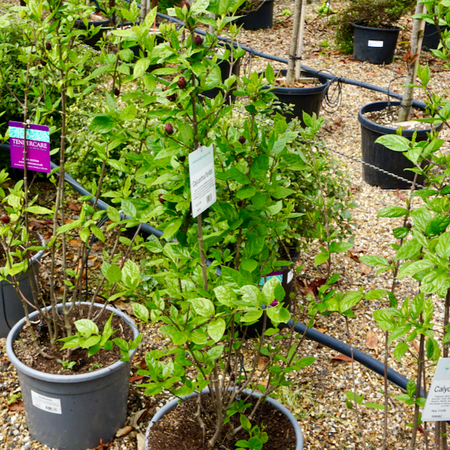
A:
[376,45]
[73,412]
[172,404]
[11,308]
[380,156]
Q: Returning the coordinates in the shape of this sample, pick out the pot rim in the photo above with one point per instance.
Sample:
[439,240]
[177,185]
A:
[65,379]
[325,84]
[173,403]
[372,126]
[392,28]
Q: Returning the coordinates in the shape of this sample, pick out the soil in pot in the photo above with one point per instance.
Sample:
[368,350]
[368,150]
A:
[28,355]
[179,430]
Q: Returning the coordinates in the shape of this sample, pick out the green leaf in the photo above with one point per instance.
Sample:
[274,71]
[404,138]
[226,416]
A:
[141,67]
[399,332]
[374,261]
[321,258]
[141,312]
[394,142]
[375,294]
[251,316]
[443,246]
[349,301]
[246,192]
[400,349]
[102,123]
[113,274]
[260,166]
[249,264]
[203,306]
[226,296]
[340,247]
[414,267]
[246,425]
[409,250]
[392,211]
[86,327]
[216,329]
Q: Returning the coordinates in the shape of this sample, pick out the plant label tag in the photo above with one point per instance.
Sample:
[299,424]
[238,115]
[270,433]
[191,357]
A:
[49,404]
[202,179]
[375,43]
[37,146]
[437,406]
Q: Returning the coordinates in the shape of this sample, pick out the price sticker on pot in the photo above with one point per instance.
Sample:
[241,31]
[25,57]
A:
[437,406]
[378,44]
[202,179]
[49,404]
[37,146]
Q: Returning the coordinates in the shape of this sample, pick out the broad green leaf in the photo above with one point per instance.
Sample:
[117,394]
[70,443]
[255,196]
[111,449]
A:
[203,306]
[374,261]
[409,250]
[141,312]
[216,329]
[392,211]
[400,349]
[340,247]
[103,123]
[350,300]
[251,316]
[113,274]
[225,295]
[86,327]
[394,142]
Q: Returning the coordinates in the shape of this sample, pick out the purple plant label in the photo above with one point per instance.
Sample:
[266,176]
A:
[37,147]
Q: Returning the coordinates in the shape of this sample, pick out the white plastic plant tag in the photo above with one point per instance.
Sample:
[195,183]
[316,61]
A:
[437,406]
[49,404]
[375,43]
[202,179]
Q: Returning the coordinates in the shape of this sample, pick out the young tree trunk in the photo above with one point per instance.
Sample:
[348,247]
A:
[290,76]
[416,45]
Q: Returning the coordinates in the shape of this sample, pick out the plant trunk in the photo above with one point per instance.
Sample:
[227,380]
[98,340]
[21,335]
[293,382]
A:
[290,76]
[416,45]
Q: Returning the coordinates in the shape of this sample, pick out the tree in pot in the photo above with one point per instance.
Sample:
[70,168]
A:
[374,148]
[369,29]
[205,307]
[57,403]
[296,87]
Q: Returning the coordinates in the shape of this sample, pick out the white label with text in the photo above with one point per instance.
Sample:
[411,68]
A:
[437,406]
[49,404]
[202,179]
[375,43]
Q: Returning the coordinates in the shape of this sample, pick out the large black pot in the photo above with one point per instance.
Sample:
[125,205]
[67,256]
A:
[260,19]
[376,45]
[380,156]
[307,99]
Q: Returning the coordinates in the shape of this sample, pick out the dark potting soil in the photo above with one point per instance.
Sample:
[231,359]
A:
[179,429]
[27,353]
[388,117]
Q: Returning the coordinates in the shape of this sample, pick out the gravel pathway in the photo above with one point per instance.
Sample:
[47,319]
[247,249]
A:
[317,396]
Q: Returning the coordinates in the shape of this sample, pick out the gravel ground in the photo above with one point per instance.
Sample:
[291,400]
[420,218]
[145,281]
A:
[317,396]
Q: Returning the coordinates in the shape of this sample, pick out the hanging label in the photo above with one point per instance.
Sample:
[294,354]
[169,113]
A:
[437,406]
[202,179]
[37,146]
[49,404]
[375,43]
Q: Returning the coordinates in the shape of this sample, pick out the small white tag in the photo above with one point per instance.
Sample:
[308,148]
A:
[202,179]
[437,406]
[49,404]
[375,43]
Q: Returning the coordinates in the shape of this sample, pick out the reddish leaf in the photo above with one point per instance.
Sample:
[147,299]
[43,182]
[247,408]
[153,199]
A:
[136,378]
[365,269]
[341,357]
[401,195]
[17,406]
[74,206]
[372,341]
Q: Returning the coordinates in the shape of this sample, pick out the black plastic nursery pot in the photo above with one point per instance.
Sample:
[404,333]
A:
[431,36]
[11,308]
[173,404]
[260,19]
[306,99]
[73,412]
[380,156]
[376,45]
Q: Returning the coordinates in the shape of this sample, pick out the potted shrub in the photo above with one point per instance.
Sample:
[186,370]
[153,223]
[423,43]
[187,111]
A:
[67,405]
[295,87]
[396,120]
[209,266]
[370,29]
